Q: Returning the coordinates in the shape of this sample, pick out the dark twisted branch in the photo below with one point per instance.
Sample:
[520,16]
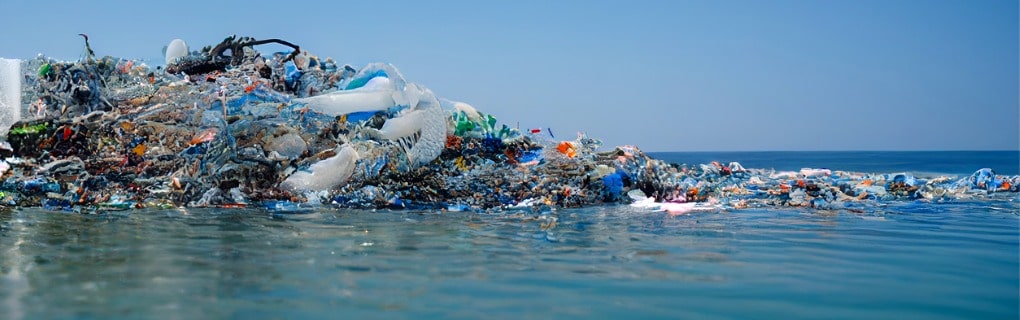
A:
[216,60]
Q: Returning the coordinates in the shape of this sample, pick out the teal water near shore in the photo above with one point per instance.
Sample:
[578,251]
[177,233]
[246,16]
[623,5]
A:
[909,259]
[926,162]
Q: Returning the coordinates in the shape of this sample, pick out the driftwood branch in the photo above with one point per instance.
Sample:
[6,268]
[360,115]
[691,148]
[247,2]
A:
[215,59]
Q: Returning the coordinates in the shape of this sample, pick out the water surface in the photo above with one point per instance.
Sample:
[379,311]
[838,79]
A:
[951,261]
[902,260]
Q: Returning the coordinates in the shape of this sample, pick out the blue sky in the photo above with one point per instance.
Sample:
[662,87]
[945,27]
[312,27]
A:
[662,75]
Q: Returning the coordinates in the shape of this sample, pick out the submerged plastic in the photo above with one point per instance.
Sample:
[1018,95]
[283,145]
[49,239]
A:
[290,131]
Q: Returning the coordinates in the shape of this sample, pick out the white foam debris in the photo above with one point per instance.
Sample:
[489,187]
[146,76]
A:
[468,110]
[350,101]
[10,93]
[325,174]
[176,49]
[404,125]
[433,128]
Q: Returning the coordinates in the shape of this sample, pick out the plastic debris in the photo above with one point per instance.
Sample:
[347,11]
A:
[325,174]
[289,131]
[10,93]
[175,50]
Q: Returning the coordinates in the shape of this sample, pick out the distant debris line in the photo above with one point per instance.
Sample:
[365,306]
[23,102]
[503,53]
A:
[228,126]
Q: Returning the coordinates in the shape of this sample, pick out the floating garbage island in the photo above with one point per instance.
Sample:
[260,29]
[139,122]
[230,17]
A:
[290,131]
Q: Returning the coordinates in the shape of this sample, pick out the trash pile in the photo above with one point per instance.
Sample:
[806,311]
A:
[291,131]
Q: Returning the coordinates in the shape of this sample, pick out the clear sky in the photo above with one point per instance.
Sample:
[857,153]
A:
[663,75]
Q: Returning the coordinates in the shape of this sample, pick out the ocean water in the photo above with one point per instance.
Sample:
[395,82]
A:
[918,162]
[906,260]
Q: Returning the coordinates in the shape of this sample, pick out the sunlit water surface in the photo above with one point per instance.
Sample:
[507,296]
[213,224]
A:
[902,260]
[956,260]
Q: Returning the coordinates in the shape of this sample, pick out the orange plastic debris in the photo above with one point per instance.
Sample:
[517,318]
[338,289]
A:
[567,148]
[205,136]
[139,149]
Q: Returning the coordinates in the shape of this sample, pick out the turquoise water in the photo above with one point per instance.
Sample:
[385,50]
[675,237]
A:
[905,260]
[939,162]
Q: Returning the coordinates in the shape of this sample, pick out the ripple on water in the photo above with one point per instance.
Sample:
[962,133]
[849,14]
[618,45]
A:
[955,260]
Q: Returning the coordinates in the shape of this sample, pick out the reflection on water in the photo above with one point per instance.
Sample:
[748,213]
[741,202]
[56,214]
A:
[954,260]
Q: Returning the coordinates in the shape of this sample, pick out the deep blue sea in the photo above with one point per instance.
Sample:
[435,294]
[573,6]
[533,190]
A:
[905,260]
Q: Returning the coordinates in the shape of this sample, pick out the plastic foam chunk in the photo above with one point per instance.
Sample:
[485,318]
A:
[325,174]
[10,93]
[376,70]
[176,50]
[344,102]
[405,125]
[377,87]
[433,130]
[433,137]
